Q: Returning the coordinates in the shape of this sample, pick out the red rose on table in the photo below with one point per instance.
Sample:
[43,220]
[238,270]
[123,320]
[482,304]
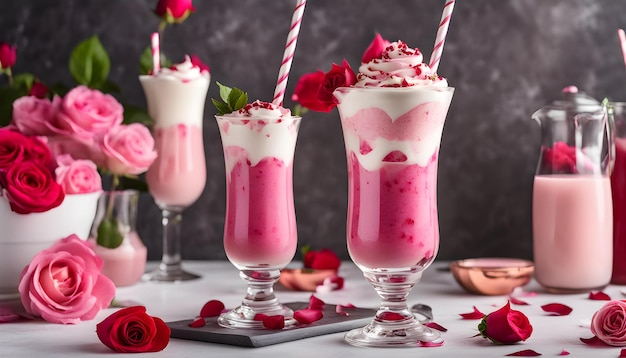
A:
[174,11]
[338,76]
[375,49]
[8,54]
[324,259]
[505,326]
[31,188]
[609,323]
[132,330]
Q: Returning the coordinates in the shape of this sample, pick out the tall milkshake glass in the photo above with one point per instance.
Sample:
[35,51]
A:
[392,138]
[260,235]
[177,177]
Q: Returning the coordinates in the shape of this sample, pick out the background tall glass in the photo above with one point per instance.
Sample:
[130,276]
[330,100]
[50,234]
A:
[392,138]
[618,190]
[178,176]
[260,235]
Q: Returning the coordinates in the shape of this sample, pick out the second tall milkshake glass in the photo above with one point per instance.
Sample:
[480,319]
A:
[178,176]
[392,138]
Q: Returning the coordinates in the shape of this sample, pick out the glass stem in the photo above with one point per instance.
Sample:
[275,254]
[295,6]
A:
[171,261]
[393,302]
[260,287]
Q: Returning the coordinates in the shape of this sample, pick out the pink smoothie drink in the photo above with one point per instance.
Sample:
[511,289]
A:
[178,175]
[125,264]
[568,210]
[392,140]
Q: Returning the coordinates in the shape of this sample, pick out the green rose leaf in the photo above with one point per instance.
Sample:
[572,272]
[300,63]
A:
[24,81]
[145,61]
[109,235]
[7,96]
[89,63]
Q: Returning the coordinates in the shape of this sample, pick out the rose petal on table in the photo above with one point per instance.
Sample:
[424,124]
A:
[520,292]
[622,353]
[7,315]
[340,309]
[564,353]
[473,315]
[274,322]
[259,316]
[517,301]
[524,353]
[197,322]
[436,326]
[213,308]
[430,344]
[599,296]
[315,303]
[308,315]
[593,341]
[557,309]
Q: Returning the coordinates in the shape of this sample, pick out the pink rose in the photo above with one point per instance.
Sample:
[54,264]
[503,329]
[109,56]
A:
[63,284]
[87,113]
[78,176]
[609,323]
[505,326]
[8,54]
[375,49]
[32,115]
[129,149]
[174,10]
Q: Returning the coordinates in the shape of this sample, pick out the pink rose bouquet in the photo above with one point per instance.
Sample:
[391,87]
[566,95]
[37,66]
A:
[63,284]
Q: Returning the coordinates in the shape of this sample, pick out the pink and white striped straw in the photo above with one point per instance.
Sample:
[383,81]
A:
[290,49]
[622,43]
[435,57]
[156,53]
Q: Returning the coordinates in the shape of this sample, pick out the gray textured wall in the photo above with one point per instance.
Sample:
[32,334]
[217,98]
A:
[506,58]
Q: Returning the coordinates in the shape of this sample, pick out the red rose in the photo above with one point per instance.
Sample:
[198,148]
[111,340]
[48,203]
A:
[505,326]
[132,330]
[38,90]
[174,11]
[375,49]
[197,62]
[8,55]
[12,147]
[338,76]
[306,90]
[324,259]
[31,188]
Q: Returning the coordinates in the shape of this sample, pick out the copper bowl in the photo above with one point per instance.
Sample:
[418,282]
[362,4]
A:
[493,275]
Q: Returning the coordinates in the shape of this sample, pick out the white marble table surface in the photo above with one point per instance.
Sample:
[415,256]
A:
[220,280]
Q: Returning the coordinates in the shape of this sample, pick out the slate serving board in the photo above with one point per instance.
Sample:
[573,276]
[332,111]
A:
[332,322]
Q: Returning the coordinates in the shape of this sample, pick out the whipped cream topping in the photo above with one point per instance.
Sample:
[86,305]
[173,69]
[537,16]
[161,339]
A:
[261,110]
[398,66]
[184,71]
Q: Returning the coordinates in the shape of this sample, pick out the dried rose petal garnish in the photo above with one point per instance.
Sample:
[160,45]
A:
[274,322]
[212,308]
[430,344]
[524,353]
[557,309]
[517,301]
[593,341]
[436,326]
[308,315]
[599,296]
[564,353]
[473,315]
[197,322]
[315,303]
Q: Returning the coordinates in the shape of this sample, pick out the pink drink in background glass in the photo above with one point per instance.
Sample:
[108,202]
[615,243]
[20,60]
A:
[568,210]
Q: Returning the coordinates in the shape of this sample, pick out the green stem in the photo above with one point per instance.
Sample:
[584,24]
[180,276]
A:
[110,204]
[10,75]
[162,26]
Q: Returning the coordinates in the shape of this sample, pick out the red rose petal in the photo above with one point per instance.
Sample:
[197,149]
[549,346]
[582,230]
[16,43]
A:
[599,296]
[197,322]
[308,315]
[391,316]
[436,326]
[430,344]
[473,315]
[517,301]
[315,303]
[274,322]
[259,316]
[524,353]
[557,309]
[564,353]
[593,341]
[212,308]
[622,353]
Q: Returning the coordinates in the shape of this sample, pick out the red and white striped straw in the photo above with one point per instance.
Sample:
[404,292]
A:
[435,57]
[156,53]
[622,43]
[290,49]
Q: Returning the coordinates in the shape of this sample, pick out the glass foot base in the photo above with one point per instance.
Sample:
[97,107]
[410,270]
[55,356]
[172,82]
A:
[398,334]
[169,276]
[243,317]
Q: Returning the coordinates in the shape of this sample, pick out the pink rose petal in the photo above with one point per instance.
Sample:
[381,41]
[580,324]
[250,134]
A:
[197,322]
[436,326]
[308,315]
[6,315]
[430,344]
[593,341]
[557,309]
[274,322]
[517,301]
[599,296]
[315,303]
[212,308]
[524,353]
[564,353]
[473,315]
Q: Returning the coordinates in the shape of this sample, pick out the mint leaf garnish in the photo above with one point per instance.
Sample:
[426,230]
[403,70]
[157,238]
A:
[232,99]
[89,63]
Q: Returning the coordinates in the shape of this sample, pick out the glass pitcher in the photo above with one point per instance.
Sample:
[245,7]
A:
[572,205]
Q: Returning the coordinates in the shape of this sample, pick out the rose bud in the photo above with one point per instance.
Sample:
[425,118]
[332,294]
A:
[38,90]
[324,259]
[132,330]
[505,326]
[8,55]
[609,323]
[174,11]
